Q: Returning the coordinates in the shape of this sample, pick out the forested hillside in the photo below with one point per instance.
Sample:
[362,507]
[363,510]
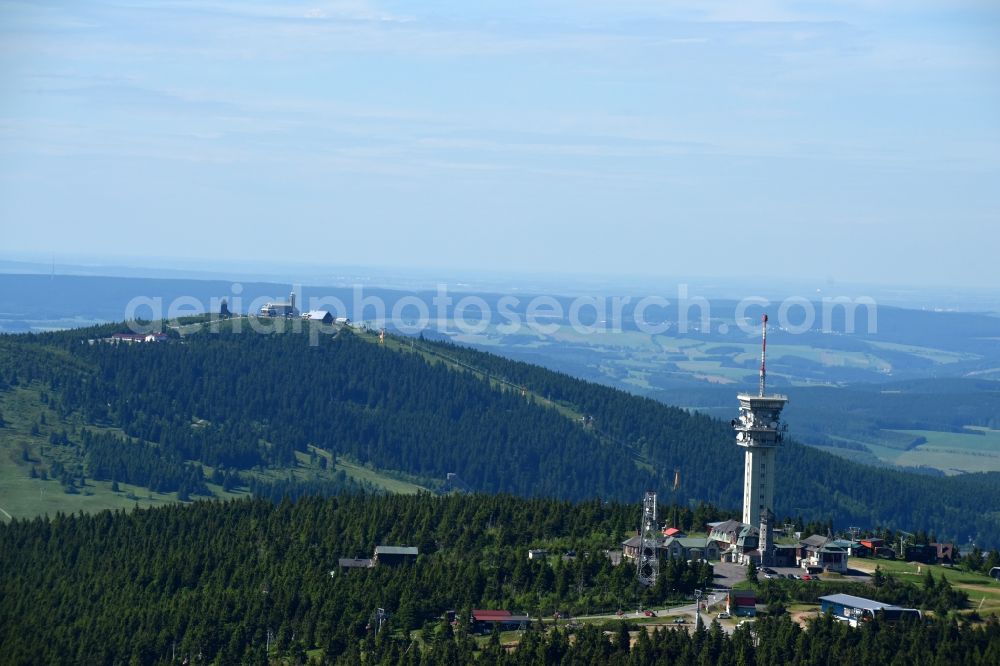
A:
[215,577]
[248,580]
[238,401]
[810,482]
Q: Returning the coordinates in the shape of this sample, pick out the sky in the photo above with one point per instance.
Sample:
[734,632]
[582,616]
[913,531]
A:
[854,141]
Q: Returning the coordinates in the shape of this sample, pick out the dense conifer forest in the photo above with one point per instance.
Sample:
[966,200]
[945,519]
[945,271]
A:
[238,401]
[771,641]
[227,581]
[215,577]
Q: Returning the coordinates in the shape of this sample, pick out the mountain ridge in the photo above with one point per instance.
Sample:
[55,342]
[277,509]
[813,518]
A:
[263,400]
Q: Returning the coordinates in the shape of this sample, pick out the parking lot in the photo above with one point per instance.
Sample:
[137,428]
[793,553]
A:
[728,574]
[784,572]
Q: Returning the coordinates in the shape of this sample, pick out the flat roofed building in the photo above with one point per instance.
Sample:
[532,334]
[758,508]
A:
[355,562]
[392,555]
[852,609]
[483,621]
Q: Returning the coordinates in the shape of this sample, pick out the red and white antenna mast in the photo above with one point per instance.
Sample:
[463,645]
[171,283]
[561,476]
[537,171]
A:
[763,353]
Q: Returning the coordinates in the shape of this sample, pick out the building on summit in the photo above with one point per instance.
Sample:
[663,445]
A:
[138,337]
[323,316]
[821,551]
[685,548]
[280,308]
[738,539]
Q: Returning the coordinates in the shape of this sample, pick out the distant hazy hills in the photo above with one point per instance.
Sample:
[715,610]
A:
[676,349]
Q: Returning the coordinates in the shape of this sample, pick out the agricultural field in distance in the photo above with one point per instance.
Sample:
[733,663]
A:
[951,452]
[646,361]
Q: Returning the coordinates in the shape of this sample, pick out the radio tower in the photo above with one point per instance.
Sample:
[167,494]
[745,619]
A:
[760,431]
[649,560]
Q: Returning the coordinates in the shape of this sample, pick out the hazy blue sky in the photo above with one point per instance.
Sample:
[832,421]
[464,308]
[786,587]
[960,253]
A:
[853,141]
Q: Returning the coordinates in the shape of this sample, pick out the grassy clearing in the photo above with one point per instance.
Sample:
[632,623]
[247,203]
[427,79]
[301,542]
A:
[23,497]
[379,479]
[983,591]
[24,444]
[29,423]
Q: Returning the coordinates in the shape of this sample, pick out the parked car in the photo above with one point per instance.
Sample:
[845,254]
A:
[679,620]
[724,615]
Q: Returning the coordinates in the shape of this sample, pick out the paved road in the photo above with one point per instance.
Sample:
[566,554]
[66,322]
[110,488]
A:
[669,612]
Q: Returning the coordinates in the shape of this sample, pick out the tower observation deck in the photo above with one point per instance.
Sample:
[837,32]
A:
[760,432]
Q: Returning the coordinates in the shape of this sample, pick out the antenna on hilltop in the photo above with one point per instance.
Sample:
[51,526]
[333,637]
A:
[763,353]
[648,560]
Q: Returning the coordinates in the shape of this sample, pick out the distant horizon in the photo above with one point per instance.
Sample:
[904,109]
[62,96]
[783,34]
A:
[410,278]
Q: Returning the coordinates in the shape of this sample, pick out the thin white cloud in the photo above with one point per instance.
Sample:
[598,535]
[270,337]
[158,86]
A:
[354,10]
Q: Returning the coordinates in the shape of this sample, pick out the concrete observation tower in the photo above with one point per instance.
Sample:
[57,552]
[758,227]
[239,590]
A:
[760,431]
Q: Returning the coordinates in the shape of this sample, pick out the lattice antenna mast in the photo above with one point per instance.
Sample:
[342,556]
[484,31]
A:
[649,558]
[763,354]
